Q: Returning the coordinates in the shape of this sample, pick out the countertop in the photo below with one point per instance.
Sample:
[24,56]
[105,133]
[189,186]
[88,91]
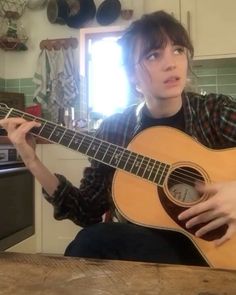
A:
[31,274]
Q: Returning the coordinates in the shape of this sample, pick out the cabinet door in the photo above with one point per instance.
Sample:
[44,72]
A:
[56,235]
[211,25]
[170,6]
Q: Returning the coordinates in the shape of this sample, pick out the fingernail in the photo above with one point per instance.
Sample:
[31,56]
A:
[197,234]
[187,225]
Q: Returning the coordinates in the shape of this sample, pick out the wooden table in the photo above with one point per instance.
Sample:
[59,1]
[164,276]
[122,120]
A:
[23,274]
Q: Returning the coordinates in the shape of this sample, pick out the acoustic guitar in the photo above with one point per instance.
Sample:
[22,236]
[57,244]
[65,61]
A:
[155,178]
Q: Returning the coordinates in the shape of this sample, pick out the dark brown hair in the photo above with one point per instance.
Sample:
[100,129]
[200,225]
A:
[152,31]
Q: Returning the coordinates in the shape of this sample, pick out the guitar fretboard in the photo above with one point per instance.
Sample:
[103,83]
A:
[102,151]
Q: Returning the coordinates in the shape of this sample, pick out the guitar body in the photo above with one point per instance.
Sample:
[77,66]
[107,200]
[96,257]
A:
[147,204]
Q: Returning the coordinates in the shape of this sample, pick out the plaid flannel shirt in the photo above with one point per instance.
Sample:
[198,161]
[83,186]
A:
[211,119]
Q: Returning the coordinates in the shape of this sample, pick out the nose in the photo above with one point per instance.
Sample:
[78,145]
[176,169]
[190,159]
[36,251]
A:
[169,61]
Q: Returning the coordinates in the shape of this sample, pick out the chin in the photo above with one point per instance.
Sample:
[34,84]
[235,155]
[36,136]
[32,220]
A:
[173,94]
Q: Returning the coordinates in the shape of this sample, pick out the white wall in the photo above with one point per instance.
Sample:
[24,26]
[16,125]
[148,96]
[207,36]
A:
[20,64]
[2,64]
[23,64]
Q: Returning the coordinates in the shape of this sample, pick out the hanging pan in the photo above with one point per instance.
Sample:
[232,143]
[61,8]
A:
[57,11]
[108,12]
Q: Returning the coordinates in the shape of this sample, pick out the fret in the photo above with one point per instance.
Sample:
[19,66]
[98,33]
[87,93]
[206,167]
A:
[73,135]
[66,138]
[85,144]
[137,164]
[41,128]
[7,115]
[63,134]
[76,141]
[143,166]
[123,159]
[58,133]
[152,173]
[100,150]
[148,168]
[94,147]
[157,171]
[52,132]
[15,114]
[119,164]
[28,117]
[133,158]
[103,149]
[116,156]
[89,146]
[108,155]
[163,176]
[36,130]
[47,130]
[130,161]
[160,168]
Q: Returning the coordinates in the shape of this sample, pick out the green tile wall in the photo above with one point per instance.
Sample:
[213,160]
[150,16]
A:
[208,79]
[2,84]
[217,80]
[25,86]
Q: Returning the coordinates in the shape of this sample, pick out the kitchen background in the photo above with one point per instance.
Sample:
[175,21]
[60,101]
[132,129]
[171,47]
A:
[17,67]
[212,26]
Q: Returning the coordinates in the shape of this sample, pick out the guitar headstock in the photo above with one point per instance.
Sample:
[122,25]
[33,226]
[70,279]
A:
[4,106]
[4,109]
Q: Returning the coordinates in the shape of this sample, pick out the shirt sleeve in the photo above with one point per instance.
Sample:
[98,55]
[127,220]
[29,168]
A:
[86,204]
[224,120]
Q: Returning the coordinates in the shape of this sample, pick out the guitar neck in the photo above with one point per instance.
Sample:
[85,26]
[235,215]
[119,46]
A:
[102,151]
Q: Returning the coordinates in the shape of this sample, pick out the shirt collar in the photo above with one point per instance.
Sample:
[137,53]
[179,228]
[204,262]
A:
[188,114]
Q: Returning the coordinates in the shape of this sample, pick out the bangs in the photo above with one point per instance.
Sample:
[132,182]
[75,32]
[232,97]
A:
[152,31]
[155,38]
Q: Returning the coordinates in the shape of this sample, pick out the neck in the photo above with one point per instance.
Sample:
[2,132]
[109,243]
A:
[163,108]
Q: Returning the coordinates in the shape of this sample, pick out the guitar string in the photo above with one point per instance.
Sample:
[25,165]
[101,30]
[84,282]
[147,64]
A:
[91,139]
[143,167]
[176,173]
[181,180]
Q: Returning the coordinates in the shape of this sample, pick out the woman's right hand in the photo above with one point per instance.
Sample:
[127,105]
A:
[18,133]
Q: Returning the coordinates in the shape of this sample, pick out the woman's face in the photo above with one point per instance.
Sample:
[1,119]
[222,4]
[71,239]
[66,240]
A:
[162,73]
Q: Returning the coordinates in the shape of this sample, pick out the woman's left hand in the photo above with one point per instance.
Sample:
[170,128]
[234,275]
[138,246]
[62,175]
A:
[216,211]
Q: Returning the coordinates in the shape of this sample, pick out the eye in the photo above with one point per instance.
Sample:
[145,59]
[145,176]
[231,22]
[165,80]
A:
[153,55]
[179,50]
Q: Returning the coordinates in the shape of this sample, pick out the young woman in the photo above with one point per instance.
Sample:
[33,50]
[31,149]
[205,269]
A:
[157,53]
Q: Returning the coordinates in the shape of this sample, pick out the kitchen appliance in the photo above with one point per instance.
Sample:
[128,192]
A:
[9,156]
[16,199]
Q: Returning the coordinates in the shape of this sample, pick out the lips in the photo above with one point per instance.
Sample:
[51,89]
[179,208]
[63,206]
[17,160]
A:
[172,79]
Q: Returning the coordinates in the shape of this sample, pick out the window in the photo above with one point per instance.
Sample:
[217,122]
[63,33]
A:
[107,87]
[107,82]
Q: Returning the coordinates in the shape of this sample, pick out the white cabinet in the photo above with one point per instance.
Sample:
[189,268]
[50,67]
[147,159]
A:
[210,23]
[170,6]
[212,26]
[56,235]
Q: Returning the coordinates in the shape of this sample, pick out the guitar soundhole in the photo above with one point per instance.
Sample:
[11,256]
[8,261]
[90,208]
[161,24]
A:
[181,185]
[180,193]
